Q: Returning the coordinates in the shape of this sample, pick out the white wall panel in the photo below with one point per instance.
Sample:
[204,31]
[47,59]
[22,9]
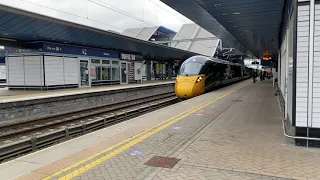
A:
[15,71]
[284,59]
[71,70]
[303,33]
[33,70]
[303,39]
[303,23]
[53,70]
[302,65]
[3,73]
[316,73]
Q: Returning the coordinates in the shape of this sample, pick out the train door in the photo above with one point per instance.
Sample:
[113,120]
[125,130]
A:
[220,68]
[209,75]
[237,72]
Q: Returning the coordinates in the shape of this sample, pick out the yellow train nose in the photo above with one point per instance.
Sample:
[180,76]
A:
[185,90]
[189,87]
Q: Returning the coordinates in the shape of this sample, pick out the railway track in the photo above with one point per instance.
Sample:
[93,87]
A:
[25,137]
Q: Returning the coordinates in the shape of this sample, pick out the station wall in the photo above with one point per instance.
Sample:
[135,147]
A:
[302,64]
[60,70]
[299,65]
[25,71]
[3,75]
[49,65]
[286,64]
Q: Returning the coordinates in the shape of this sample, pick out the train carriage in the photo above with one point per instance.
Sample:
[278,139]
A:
[199,74]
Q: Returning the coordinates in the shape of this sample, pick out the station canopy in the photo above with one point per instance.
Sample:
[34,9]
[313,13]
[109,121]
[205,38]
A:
[18,25]
[254,23]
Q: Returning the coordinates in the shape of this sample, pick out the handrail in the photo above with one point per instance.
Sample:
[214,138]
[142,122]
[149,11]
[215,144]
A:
[297,137]
[283,125]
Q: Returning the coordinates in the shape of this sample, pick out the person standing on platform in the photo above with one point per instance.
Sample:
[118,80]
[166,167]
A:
[264,75]
[254,75]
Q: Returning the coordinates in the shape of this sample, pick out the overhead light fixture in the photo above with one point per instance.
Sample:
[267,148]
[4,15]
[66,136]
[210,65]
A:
[235,26]
[217,5]
[246,30]
[225,14]
[230,21]
[6,34]
[237,13]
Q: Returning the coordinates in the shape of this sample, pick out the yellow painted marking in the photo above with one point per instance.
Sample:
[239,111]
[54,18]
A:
[143,135]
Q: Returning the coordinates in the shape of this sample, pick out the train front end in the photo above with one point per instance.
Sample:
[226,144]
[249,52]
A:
[190,80]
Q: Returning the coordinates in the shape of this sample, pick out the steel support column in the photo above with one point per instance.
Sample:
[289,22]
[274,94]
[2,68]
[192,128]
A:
[148,62]
[170,70]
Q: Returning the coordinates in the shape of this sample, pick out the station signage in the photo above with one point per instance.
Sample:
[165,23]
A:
[64,49]
[130,57]
[20,50]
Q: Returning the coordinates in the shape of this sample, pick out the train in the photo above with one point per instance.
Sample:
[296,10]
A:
[200,74]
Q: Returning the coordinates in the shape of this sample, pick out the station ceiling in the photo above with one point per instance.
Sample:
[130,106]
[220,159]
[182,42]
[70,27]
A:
[18,26]
[254,23]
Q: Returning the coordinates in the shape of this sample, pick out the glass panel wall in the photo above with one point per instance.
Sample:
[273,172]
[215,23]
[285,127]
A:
[115,71]
[105,70]
[106,73]
[95,70]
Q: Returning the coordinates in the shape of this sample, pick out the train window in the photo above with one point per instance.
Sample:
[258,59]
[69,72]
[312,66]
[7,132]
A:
[190,69]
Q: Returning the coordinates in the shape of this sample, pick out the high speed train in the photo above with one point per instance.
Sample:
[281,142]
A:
[199,74]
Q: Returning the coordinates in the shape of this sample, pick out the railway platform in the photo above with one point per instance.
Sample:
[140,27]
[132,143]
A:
[25,106]
[21,95]
[231,133]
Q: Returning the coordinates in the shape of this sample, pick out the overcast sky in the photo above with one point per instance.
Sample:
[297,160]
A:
[116,15]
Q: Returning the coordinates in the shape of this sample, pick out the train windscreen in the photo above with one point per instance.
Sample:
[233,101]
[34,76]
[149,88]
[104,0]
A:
[190,69]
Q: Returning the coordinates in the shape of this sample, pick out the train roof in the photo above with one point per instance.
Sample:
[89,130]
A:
[203,59]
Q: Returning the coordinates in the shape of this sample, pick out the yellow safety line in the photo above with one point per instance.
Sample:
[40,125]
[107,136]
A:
[164,124]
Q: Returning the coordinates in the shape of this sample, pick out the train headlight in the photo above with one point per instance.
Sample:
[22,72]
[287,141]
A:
[177,79]
[199,79]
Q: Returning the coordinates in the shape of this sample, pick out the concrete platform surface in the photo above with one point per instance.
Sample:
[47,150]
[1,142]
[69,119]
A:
[231,133]
[20,95]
